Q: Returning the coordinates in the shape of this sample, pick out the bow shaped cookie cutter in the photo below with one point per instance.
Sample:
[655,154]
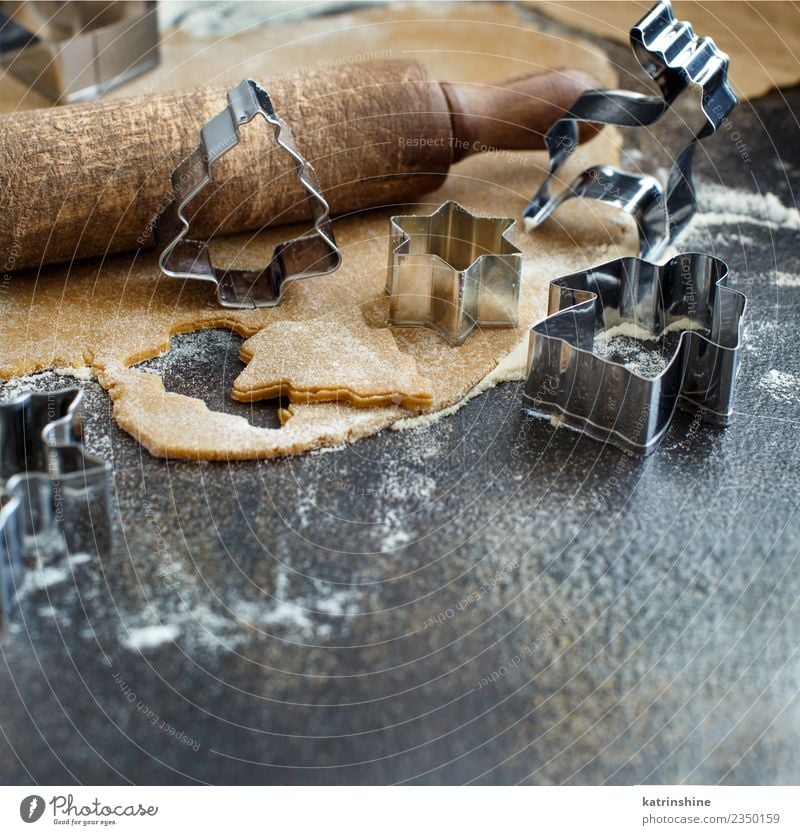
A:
[314,253]
[569,383]
[678,61]
[56,497]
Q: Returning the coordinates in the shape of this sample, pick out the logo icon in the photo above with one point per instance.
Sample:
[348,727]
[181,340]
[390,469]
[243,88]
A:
[31,808]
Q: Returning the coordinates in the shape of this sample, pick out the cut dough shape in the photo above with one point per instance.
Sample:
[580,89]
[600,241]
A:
[330,359]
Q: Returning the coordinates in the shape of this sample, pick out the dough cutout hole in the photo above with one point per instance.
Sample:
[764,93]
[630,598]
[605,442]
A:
[203,364]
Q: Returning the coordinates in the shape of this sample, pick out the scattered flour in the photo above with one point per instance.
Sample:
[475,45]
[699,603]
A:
[95,405]
[42,576]
[638,349]
[787,280]
[720,205]
[84,372]
[200,626]
[43,381]
[394,540]
[643,358]
[295,613]
[306,505]
[287,614]
[339,603]
[393,533]
[148,637]
[781,385]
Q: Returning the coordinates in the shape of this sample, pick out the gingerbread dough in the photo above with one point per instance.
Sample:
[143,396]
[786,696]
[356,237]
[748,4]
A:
[111,313]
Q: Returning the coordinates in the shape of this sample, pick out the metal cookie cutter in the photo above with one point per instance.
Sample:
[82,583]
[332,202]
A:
[453,271]
[311,254]
[570,383]
[678,61]
[77,51]
[56,497]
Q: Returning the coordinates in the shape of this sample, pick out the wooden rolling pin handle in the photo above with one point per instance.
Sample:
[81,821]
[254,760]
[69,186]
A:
[513,115]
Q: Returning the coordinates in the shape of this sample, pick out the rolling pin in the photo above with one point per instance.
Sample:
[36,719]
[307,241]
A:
[89,179]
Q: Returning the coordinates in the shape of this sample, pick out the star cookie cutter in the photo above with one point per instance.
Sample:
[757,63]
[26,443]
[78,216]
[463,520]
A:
[314,253]
[56,498]
[573,386]
[453,271]
[678,61]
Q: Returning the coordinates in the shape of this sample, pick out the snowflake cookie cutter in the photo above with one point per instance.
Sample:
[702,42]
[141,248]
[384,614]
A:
[453,271]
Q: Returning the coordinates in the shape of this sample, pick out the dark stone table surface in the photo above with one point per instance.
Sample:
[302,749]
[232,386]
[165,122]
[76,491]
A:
[490,600]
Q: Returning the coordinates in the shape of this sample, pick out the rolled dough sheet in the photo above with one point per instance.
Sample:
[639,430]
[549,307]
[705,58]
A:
[761,39]
[111,313]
